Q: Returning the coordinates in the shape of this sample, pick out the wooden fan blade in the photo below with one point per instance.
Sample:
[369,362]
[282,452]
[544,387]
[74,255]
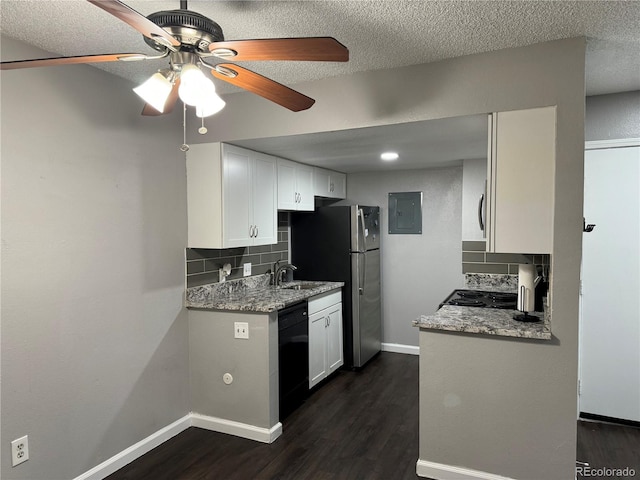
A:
[138,21]
[263,86]
[148,110]
[47,62]
[314,49]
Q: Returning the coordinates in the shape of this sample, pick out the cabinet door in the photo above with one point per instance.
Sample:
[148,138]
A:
[237,200]
[264,201]
[321,180]
[474,181]
[334,338]
[304,187]
[204,196]
[286,185]
[317,348]
[521,181]
[330,184]
[295,186]
[337,185]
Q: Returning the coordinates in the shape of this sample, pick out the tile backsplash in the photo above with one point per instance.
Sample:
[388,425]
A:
[203,264]
[476,260]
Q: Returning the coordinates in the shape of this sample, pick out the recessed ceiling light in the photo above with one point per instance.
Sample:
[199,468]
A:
[389,156]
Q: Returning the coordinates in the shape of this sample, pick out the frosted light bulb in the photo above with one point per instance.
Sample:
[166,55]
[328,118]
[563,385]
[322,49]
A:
[155,91]
[192,83]
[211,103]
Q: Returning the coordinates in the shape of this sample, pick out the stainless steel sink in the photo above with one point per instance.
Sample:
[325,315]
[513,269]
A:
[300,285]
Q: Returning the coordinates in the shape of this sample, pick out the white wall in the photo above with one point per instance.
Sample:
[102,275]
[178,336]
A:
[539,75]
[94,335]
[417,271]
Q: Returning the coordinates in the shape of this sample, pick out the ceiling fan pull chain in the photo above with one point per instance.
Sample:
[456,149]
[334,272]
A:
[202,130]
[184,147]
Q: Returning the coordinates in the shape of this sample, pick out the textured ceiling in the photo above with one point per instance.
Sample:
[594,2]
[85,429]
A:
[379,34]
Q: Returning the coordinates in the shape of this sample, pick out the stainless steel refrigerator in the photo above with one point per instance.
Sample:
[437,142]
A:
[342,243]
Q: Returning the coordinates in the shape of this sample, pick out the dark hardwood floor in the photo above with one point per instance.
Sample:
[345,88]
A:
[608,446]
[359,425]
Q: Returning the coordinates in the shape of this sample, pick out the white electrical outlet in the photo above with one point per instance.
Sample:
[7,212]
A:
[241,330]
[19,450]
[247,269]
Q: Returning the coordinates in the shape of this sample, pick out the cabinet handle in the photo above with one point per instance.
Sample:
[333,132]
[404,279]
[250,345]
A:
[331,187]
[256,234]
[480,219]
[250,231]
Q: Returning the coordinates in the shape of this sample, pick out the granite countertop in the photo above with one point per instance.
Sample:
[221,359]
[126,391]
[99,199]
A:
[254,294]
[487,321]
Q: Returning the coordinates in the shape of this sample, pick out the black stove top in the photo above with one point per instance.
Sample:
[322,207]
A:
[482,299]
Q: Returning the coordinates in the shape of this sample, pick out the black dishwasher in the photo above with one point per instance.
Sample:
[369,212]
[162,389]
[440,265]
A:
[293,357]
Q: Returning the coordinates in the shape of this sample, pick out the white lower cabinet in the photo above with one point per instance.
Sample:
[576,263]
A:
[325,336]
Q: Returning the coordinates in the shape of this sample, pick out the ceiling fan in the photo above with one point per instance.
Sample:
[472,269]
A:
[189,39]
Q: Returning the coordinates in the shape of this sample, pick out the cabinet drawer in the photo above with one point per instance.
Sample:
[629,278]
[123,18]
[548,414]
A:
[324,300]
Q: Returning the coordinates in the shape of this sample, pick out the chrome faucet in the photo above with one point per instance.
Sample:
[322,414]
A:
[280,269]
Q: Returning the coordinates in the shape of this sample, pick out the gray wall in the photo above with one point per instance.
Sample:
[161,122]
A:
[613,116]
[545,74]
[94,335]
[417,271]
[252,398]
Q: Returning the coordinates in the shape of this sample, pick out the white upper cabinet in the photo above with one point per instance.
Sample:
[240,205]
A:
[521,181]
[295,186]
[231,197]
[330,184]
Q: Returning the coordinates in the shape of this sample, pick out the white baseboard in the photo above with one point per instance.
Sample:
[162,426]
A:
[440,471]
[400,348]
[145,445]
[244,430]
[128,455]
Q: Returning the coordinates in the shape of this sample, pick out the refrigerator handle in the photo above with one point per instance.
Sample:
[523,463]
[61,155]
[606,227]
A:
[361,283]
[363,246]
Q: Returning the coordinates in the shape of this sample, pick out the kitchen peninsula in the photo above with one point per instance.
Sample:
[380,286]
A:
[472,362]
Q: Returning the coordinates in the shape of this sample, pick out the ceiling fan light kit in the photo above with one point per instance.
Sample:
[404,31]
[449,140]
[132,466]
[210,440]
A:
[188,39]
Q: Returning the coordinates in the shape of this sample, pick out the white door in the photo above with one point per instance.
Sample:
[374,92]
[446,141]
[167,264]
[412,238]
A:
[610,307]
